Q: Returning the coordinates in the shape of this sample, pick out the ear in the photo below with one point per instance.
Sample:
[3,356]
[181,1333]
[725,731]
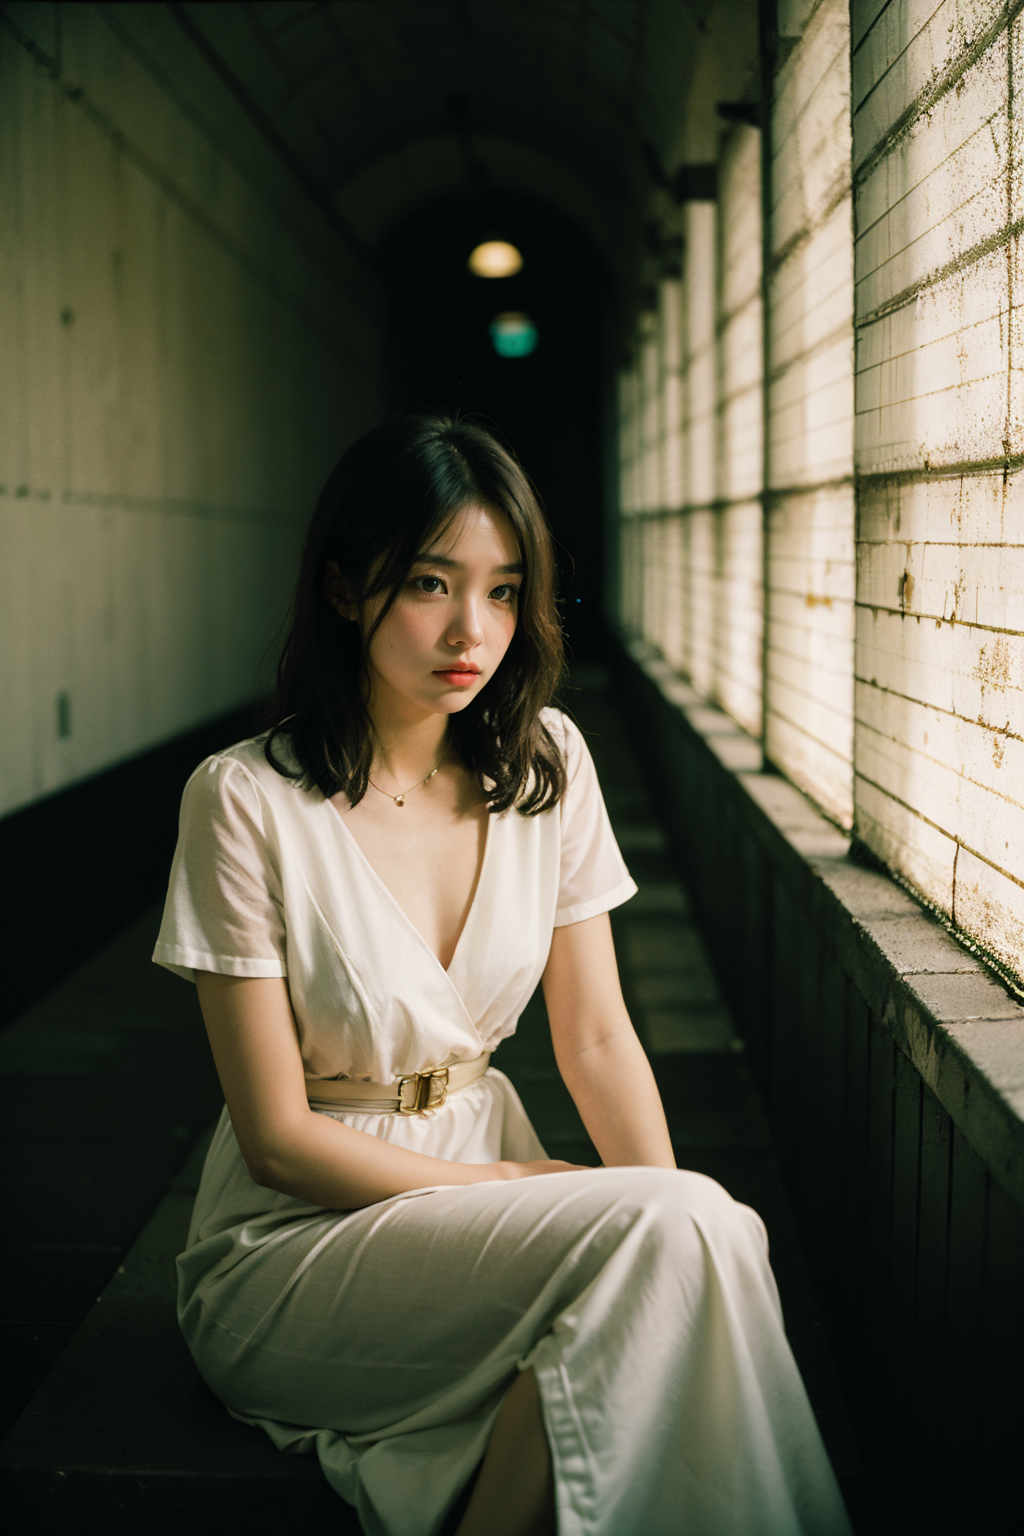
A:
[339,593]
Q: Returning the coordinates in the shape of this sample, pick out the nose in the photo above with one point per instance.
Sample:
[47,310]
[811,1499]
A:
[466,627]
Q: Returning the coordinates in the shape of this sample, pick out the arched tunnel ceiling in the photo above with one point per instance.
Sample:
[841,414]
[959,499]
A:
[386,104]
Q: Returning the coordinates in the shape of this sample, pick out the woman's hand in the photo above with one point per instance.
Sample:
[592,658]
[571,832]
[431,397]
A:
[540,1165]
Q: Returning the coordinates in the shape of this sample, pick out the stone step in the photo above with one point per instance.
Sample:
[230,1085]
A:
[125,1437]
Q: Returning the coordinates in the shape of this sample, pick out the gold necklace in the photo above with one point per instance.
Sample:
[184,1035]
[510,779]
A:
[400,799]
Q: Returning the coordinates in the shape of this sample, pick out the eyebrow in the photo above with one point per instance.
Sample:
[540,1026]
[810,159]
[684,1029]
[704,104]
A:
[426,558]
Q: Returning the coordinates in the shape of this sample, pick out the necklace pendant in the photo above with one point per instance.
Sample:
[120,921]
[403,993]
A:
[399,799]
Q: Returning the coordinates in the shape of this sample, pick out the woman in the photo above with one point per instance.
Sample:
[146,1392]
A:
[382,1264]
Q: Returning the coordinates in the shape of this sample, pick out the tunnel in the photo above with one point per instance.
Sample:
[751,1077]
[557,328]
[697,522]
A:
[757,341]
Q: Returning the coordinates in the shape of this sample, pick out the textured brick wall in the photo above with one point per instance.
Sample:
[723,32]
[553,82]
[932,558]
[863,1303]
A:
[186,346]
[629,565]
[705,600]
[869,626]
[740,436]
[766,630]
[652,460]
[809,368]
[940,442]
[699,388]
[691,447]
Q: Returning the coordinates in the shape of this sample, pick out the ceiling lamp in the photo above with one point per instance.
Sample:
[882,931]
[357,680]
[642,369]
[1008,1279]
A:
[495,258]
[514,335]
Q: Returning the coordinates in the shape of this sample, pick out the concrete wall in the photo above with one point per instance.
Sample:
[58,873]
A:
[187,345]
[748,542]
[886,621]
[809,504]
[739,611]
[700,248]
[690,446]
[690,409]
[940,447]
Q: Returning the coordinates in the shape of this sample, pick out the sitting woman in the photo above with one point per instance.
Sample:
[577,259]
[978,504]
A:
[383,1265]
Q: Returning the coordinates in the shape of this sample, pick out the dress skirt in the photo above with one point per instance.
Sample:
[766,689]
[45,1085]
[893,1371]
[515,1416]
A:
[386,1338]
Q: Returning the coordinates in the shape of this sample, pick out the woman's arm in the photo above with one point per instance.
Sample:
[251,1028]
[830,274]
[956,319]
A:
[286,1145]
[599,1056]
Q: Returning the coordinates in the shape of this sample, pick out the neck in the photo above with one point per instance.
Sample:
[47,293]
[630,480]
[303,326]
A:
[405,752]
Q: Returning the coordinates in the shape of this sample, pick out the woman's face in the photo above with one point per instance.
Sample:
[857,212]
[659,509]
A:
[451,623]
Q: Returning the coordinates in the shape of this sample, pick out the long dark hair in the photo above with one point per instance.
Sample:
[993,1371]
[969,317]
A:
[389,494]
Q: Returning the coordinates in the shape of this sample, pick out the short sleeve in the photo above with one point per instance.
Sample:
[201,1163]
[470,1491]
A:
[593,877]
[224,910]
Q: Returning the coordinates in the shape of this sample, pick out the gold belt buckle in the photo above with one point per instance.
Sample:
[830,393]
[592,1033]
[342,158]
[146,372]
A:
[422,1096]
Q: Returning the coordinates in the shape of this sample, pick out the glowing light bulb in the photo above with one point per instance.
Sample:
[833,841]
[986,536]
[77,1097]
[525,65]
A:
[495,258]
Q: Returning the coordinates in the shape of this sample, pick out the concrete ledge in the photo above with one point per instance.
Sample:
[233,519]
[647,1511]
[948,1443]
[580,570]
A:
[948,1014]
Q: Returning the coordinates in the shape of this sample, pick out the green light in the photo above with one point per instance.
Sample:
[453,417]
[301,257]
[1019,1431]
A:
[513,335]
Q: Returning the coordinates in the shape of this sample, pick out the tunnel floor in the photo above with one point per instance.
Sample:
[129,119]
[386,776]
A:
[108,1097]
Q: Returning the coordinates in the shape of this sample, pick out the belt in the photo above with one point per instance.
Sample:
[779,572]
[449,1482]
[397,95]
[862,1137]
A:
[412,1094]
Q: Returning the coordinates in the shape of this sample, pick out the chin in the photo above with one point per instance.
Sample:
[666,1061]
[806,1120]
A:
[460,702]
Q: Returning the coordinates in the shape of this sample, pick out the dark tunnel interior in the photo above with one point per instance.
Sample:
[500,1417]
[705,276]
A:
[548,404]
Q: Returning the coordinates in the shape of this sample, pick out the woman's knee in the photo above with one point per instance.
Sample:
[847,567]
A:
[679,1206]
[677,1191]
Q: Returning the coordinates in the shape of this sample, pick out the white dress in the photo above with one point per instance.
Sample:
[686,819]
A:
[385,1338]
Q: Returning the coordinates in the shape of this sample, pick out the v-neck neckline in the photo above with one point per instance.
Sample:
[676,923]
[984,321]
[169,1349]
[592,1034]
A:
[446,970]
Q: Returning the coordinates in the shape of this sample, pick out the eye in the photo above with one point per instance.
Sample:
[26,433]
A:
[506,593]
[422,584]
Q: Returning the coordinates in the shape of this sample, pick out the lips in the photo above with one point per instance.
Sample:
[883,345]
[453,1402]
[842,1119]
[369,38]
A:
[458,677]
